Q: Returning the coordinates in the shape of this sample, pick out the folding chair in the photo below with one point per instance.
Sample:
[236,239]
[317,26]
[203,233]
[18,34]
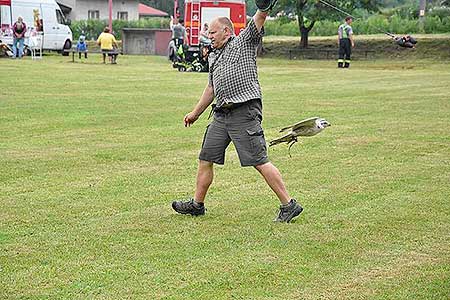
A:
[35,45]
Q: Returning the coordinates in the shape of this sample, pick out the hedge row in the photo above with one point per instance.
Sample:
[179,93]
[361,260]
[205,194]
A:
[93,28]
[371,25]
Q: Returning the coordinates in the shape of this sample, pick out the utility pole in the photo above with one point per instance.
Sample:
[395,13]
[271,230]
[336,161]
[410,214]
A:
[422,7]
[110,16]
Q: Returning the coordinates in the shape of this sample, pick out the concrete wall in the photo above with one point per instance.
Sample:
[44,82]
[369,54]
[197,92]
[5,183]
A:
[80,8]
[145,41]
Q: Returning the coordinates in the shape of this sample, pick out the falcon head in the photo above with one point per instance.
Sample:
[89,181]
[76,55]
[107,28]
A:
[322,123]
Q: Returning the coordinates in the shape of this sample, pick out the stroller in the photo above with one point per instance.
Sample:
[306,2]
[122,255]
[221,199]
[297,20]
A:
[191,60]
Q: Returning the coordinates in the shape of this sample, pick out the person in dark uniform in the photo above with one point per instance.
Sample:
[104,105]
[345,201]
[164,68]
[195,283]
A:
[346,43]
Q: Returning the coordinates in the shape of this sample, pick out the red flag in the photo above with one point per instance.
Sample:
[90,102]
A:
[5,2]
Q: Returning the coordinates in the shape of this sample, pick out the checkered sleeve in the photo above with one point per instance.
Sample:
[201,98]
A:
[251,34]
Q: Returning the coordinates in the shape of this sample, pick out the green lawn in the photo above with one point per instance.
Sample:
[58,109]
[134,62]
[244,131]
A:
[92,155]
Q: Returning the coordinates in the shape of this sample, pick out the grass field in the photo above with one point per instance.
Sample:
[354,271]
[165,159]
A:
[92,155]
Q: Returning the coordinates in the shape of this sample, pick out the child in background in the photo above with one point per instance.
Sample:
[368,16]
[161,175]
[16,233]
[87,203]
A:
[82,46]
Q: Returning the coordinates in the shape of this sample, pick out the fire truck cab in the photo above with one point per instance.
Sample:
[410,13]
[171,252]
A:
[199,12]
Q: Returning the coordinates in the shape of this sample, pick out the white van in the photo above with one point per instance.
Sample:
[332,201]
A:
[41,16]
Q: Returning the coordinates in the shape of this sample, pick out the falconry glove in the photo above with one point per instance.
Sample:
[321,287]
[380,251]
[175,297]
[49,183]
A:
[265,5]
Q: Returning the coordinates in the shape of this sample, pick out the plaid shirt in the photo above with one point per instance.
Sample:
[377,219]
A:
[232,69]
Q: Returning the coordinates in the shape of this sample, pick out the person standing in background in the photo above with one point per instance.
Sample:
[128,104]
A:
[108,44]
[82,46]
[19,30]
[346,43]
[178,32]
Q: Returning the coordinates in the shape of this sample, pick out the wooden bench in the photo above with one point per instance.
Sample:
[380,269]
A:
[324,53]
[74,50]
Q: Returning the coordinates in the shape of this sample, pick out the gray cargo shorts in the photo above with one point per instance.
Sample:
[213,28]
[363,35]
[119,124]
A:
[240,125]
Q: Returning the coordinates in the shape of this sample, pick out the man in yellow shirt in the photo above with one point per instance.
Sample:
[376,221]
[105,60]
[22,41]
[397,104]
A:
[108,44]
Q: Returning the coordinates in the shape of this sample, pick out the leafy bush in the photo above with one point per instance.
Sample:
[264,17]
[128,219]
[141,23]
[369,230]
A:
[437,25]
[441,12]
[325,28]
[281,26]
[398,24]
[93,28]
[407,11]
[372,25]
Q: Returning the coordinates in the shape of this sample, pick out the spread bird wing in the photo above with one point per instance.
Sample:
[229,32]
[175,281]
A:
[307,122]
[287,138]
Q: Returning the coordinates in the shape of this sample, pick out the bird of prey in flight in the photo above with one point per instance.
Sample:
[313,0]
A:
[307,127]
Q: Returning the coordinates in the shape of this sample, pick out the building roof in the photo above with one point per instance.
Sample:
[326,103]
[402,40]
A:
[145,10]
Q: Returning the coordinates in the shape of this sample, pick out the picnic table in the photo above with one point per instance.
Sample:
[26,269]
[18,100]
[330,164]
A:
[75,51]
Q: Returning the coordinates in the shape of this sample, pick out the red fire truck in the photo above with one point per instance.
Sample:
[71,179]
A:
[199,12]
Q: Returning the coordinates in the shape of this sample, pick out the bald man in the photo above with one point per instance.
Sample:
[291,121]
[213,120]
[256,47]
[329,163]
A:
[233,82]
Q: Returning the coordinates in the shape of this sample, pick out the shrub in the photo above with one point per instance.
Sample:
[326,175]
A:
[281,26]
[93,28]
[441,12]
[436,24]
[372,25]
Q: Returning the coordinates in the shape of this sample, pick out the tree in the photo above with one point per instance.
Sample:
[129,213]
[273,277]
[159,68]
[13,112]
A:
[308,12]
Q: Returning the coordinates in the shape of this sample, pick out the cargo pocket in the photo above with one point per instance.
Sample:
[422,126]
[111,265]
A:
[257,142]
[254,113]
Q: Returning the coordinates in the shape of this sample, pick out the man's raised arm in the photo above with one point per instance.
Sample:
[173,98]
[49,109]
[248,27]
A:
[260,19]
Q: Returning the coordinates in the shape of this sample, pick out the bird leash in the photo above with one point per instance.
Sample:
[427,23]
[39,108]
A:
[393,36]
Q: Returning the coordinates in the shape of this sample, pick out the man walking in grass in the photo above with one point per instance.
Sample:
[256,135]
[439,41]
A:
[233,82]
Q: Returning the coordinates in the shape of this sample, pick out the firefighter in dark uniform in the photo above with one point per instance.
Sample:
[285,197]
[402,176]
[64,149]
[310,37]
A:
[345,36]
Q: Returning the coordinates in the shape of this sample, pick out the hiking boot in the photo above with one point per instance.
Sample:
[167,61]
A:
[188,208]
[287,213]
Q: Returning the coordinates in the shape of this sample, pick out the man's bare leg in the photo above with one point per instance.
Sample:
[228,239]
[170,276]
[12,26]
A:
[195,206]
[289,208]
[205,175]
[275,181]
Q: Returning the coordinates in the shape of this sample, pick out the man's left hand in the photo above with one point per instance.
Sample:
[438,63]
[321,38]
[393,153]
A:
[189,119]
